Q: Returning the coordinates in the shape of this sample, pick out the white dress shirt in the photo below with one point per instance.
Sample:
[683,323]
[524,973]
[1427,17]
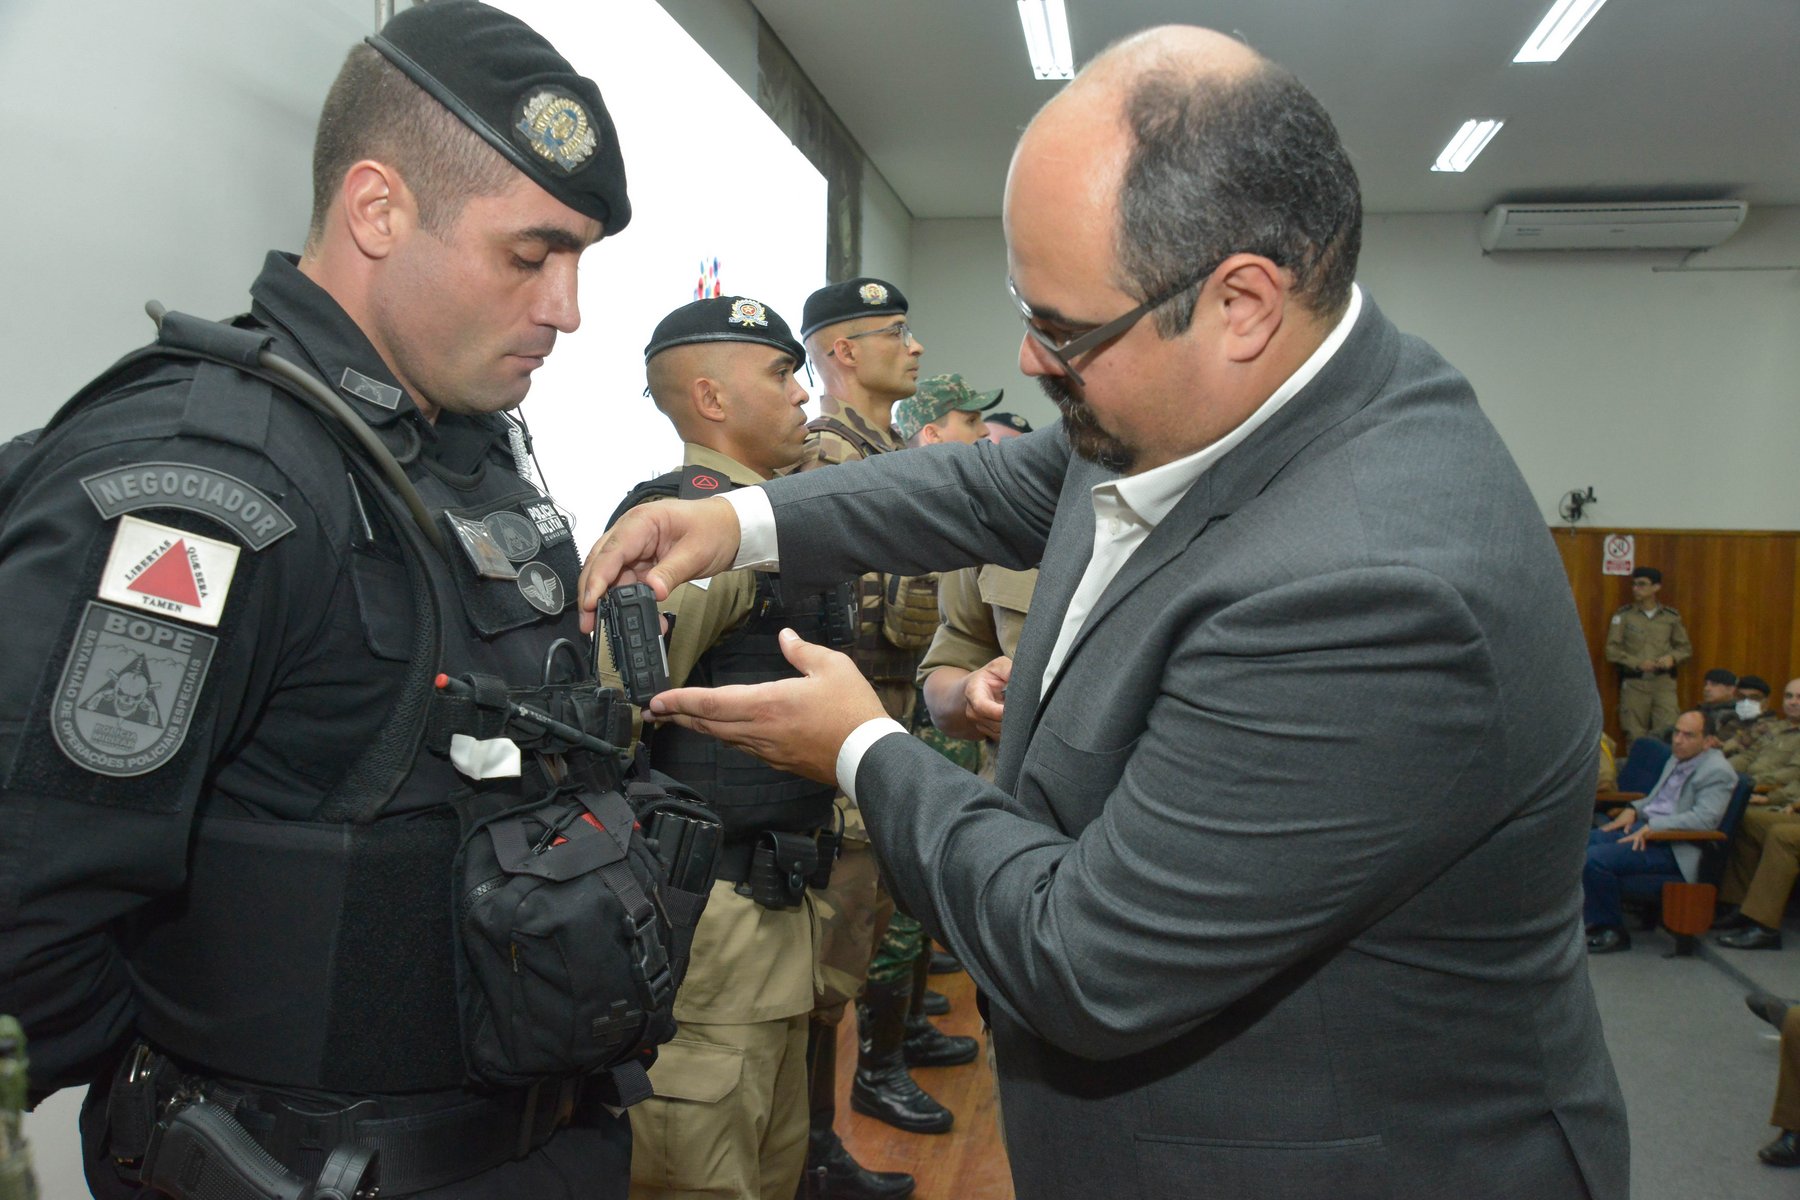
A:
[1125,511]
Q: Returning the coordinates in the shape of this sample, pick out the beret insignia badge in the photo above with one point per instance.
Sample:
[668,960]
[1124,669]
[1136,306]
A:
[748,312]
[873,293]
[558,129]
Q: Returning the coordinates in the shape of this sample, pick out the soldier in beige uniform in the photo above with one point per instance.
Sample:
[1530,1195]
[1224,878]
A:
[1768,840]
[729,1114]
[1647,641]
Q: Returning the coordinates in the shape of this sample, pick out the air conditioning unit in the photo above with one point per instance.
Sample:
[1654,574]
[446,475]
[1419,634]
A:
[1673,225]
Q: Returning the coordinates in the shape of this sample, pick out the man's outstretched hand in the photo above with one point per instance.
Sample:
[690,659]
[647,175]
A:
[664,545]
[794,725]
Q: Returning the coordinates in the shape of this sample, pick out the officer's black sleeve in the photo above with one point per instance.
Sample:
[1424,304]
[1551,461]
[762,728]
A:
[87,836]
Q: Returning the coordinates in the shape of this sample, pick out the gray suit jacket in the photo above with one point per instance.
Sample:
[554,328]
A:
[1700,804]
[1277,892]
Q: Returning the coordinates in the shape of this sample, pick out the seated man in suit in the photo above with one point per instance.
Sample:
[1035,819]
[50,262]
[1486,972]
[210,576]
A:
[1691,793]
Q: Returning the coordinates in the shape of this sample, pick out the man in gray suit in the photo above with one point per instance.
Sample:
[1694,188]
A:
[1274,894]
[1692,792]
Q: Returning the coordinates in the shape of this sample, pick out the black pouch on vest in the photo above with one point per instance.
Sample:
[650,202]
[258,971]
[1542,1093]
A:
[570,942]
[780,868]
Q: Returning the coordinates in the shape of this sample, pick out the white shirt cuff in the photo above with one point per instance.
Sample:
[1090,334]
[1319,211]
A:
[756,529]
[850,754]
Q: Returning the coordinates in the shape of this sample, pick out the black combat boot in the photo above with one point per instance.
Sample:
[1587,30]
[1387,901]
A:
[926,1045]
[831,1174]
[882,1088]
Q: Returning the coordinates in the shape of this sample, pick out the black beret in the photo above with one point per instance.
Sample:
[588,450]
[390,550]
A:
[724,319]
[1650,573]
[864,297]
[504,81]
[1012,421]
[1754,683]
[1720,675]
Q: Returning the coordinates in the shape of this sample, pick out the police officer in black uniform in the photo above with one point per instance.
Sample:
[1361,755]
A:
[213,678]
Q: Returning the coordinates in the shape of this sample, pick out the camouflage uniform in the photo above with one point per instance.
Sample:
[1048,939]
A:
[1646,699]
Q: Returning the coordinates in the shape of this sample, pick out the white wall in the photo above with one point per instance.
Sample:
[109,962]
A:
[152,150]
[1676,396]
[887,227]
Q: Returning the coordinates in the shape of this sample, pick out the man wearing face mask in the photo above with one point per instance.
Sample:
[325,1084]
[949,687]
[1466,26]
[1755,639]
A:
[1750,717]
[1765,855]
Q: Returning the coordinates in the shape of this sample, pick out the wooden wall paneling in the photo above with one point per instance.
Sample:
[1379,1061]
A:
[1736,591]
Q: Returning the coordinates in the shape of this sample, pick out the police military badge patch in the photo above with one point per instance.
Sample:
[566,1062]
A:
[518,536]
[237,505]
[169,571]
[374,391]
[873,293]
[128,690]
[541,587]
[748,312]
[557,128]
[551,523]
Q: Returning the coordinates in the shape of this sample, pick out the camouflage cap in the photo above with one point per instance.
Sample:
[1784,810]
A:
[936,399]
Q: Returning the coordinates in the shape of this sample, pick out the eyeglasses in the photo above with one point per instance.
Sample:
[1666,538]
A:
[1066,352]
[900,329]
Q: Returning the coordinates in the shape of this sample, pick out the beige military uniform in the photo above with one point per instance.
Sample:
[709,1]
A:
[856,908]
[729,1114]
[1646,700]
[981,612]
[1775,763]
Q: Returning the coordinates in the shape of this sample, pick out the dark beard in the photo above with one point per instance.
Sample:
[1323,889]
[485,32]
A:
[1086,438]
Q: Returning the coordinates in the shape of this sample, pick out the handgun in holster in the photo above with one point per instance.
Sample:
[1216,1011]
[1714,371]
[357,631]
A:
[189,1148]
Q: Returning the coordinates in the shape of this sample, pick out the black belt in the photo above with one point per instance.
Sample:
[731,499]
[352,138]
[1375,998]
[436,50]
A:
[735,858]
[416,1151]
[1631,673]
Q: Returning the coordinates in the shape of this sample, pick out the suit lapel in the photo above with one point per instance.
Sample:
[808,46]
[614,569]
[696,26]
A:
[1346,385]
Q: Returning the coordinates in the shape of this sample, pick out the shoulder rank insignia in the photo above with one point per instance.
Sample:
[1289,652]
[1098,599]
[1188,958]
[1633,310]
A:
[873,293]
[557,128]
[227,499]
[128,691]
[168,571]
[748,312]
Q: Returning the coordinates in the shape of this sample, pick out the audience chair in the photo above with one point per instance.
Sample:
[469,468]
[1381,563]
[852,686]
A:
[1637,774]
[1687,908]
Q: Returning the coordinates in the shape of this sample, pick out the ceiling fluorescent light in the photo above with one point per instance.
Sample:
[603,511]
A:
[1046,25]
[1560,25]
[1468,142]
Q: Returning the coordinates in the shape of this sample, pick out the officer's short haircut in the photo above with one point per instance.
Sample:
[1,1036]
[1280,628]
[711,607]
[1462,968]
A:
[374,111]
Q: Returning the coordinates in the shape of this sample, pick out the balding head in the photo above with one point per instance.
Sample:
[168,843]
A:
[1184,146]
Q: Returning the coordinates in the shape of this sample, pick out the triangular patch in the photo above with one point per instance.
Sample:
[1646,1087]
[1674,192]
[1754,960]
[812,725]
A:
[170,577]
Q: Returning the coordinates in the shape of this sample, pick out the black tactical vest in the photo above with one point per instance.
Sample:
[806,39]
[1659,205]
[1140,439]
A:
[318,954]
[748,795]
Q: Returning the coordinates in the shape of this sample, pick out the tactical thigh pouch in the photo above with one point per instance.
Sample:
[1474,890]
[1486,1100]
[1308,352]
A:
[570,944]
